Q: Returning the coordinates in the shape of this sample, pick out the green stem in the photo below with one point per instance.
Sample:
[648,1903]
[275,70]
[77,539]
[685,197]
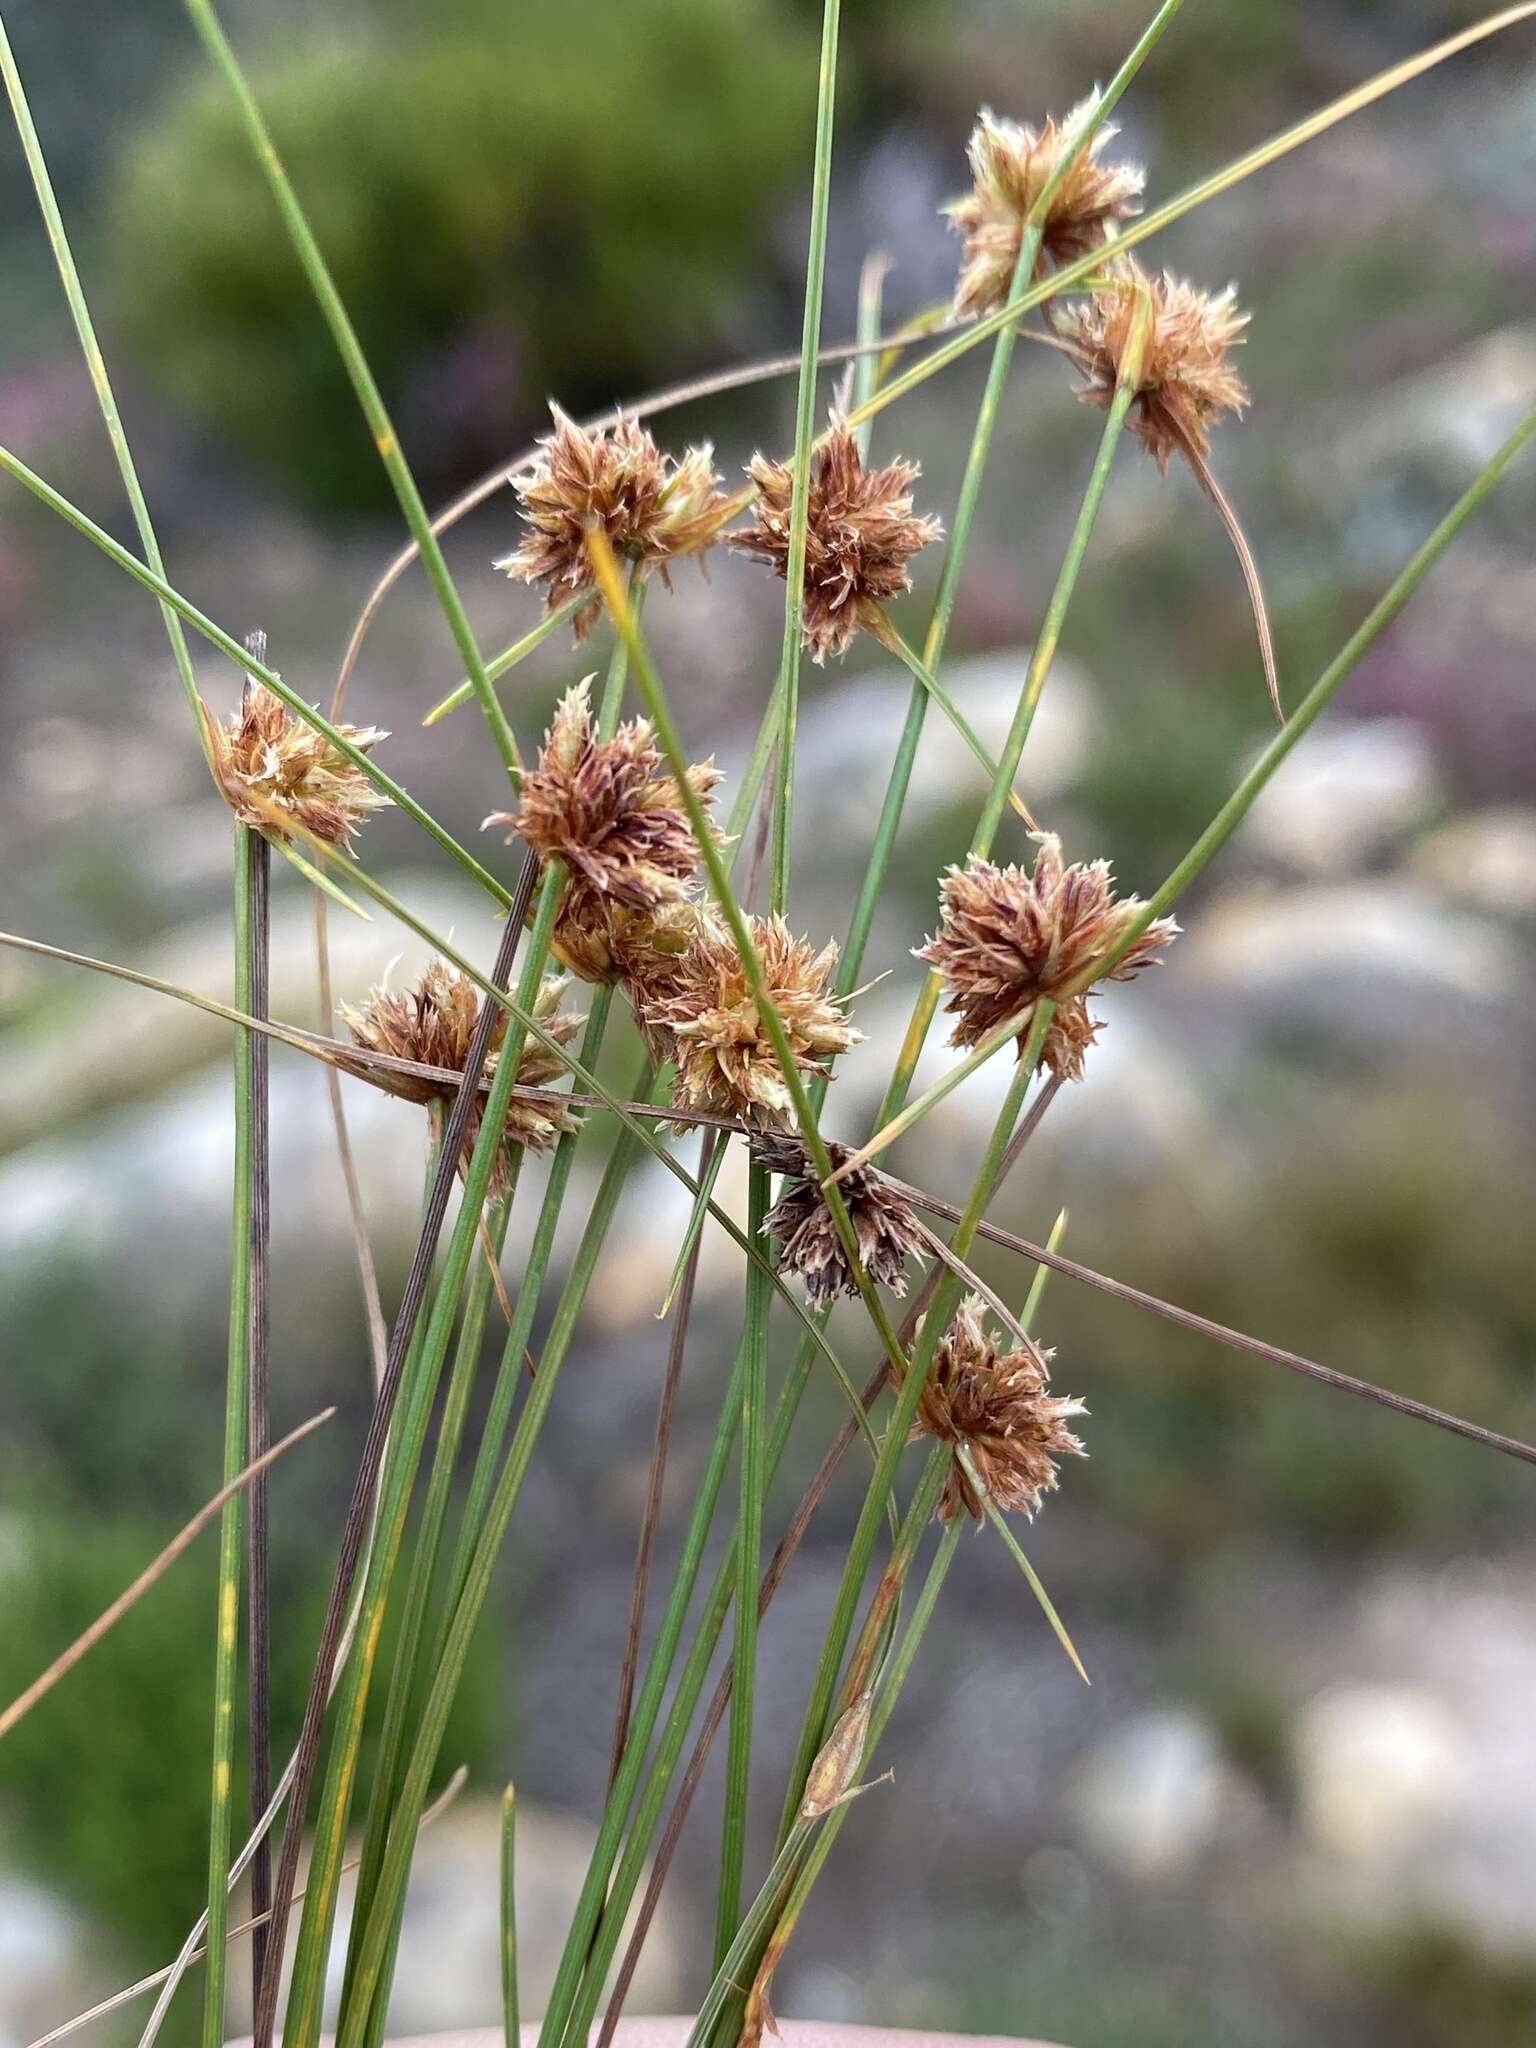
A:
[152,580]
[965,513]
[758,1921]
[369,398]
[816,1727]
[749,1550]
[649,685]
[509,657]
[1322,692]
[232,1516]
[304,1997]
[569,2018]
[890,1691]
[787,689]
[1071,275]
[392,1735]
[512,2031]
[1039,668]
[746,1966]
[95,362]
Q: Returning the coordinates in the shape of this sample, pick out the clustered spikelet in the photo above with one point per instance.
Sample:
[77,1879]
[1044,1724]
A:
[996,1406]
[433,1024]
[861,532]
[608,810]
[1186,381]
[710,1023]
[650,508]
[1008,937]
[1010,164]
[276,772]
[883,1222]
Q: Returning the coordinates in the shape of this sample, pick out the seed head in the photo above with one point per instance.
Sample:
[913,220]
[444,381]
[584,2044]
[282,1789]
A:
[1186,381]
[608,811]
[996,1406]
[272,767]
[860,534]
[651,508]
[725,1058]
[1008,937]
[600,940]
[883,1222]
[1011,164]
[433,1024]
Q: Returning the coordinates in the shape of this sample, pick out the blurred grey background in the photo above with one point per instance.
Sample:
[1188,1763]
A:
[1299,1803]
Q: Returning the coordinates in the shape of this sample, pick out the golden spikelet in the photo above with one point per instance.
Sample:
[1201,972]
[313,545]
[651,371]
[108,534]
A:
[1008,937]
[711,1024]
[609,811]
[651,509]
[997,1407]
[274,770]
[1186,381]
[433,1024]
[1010,166]
[861,532]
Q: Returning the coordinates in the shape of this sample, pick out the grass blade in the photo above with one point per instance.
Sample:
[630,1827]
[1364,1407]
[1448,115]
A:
[95,362]
[787,689]
[151,1575]
[237,1394]
[369,398]
[749,1548]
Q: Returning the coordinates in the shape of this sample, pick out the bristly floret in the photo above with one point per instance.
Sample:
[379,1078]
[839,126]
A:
[861,532]
[710,1019]
[651,508]
[433,1024]
[1008,937]
[278,774]
[1186,381]
[609,811]
[884,1223]
[1010,164]
[995,1406]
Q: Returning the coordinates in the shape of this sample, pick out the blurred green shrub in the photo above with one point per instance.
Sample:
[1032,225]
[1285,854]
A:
[577,193]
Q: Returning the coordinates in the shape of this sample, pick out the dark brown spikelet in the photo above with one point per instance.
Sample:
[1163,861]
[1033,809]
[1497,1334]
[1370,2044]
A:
[609,811]
[883,1222]
[1186,382]
[651,509]
[1010,164]
[433,1024]
[1008,937]
[861,532]
[709,1020]
[273,770]
[997,1407]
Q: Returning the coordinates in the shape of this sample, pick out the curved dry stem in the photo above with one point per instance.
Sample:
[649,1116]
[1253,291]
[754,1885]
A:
[151,1575]
[1249,566]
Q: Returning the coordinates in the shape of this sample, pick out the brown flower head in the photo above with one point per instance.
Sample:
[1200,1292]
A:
[1007,938]
[603,941]
[1010,164]
[1186,380]
[860,534]
[650,508]
[883,1222]
[996,1406]
[433,1024]
[272,768]
[725,1058]
[606,808]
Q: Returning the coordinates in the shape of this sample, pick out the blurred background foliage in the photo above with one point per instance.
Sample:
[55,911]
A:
[1315,1123]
